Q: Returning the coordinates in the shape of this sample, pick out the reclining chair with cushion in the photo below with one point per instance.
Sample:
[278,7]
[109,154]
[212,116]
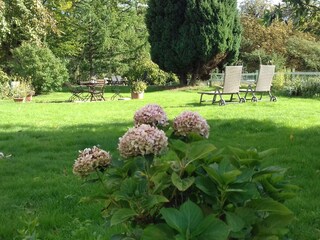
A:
[231,86]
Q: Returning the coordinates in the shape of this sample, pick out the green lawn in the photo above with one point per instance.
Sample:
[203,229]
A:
[37,186]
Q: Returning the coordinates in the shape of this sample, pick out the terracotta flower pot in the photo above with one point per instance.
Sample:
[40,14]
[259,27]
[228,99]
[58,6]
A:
[19,99]
[137,95]
[28,98]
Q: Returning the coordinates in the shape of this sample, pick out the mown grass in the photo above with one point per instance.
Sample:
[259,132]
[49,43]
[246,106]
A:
[44,136]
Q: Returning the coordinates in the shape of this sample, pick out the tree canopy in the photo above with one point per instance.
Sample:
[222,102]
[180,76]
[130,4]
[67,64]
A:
[188,37]
[22,20]
[193,37]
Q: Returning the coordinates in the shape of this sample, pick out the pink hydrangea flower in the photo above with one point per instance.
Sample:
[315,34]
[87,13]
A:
[142,140]
[190,122]
[91,159]
[151,114]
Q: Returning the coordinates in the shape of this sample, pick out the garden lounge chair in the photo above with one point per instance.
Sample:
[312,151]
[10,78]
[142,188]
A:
[231,86]
[263,84]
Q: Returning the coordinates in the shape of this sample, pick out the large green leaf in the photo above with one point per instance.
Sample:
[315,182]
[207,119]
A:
[122,215]
[214,174]
[181,184]
[168,157]
[206,185]
[248,215]
[274,224]
[211,228]
[234,221]
[269,205]
[192,214]
[153,200]
[179,145]
[269,170]
[128,187]
[230,176]
[267,153]
[159,231]
[174,219]
[184,220]
[238,152]
[247,191]
[161,181]
[198,150]
[245,176]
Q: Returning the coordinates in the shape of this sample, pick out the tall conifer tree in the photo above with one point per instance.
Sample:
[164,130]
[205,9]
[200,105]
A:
[192,36]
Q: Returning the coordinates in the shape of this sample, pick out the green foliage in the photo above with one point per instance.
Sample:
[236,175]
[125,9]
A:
[45,71]
[4,90]
[305,14]
[22,20]
[191,37]
[4,85]
[29,230]
[278,80]
[264,44]
[196,191]
[109,36]
[252,60]
[153,74]
[303,54]
[63,44]
[138,86]
[278,43]
[3,77]
[306,87]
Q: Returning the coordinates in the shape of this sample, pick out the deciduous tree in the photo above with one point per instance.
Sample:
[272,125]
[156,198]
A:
[22,20]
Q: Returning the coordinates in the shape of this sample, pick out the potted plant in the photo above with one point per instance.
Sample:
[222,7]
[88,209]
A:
[137,89]
[22,92]
[18,93]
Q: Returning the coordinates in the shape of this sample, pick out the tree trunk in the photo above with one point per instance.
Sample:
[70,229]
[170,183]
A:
[183,79]
[193,79]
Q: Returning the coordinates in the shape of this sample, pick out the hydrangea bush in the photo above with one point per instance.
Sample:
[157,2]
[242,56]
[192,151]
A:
[178,185]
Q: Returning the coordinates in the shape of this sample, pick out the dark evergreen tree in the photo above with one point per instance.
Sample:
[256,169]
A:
[192,36]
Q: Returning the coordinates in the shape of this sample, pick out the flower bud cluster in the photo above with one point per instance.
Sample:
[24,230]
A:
[142,140]
[190,122]
[91,159]
[151,114]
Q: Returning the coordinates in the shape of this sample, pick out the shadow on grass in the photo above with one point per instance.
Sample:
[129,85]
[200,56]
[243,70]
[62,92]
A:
[52,101]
